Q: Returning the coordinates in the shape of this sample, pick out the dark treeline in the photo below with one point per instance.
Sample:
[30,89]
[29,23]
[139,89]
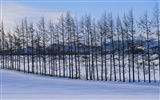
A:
[110,49]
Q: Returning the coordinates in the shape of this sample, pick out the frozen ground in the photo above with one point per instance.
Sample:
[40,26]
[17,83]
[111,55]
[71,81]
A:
[19,86]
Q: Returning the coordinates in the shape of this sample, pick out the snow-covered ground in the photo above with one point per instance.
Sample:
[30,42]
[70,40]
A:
[23,86]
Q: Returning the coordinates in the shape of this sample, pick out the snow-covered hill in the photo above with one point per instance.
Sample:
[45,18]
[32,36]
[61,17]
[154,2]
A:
[23,86]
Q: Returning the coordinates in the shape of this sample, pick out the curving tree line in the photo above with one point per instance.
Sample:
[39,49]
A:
[110,49]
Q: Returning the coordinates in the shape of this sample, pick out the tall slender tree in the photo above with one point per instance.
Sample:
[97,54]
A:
[132,31]
[3,36]
[111,31]
[156,24]
[145,26]
[127,42]
[42,30]
[103,30]
[119,29]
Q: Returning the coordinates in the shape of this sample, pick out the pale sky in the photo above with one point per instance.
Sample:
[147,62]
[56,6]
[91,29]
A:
[13,11]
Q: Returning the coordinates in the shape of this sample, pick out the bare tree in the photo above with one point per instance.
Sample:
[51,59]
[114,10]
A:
[156,24]
[145,26]
[119,29]
[42,30]
[132,31]
[127,39]
[31,31]
[111,31]
[2,42]
[11,49]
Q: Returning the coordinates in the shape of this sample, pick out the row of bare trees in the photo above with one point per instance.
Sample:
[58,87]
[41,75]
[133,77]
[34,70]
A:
[110,49]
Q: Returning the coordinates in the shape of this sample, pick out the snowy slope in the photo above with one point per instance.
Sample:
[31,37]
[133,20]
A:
[23,86]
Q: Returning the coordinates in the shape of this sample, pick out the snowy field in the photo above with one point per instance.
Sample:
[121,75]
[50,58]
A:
[23,86]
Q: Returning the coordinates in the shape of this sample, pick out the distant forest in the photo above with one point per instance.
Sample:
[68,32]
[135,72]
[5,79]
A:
[110,49]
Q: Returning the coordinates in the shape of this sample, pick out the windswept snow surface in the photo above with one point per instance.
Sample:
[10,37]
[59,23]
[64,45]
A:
[23,86]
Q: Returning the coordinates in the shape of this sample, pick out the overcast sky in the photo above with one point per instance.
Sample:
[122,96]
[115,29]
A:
[12,11]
